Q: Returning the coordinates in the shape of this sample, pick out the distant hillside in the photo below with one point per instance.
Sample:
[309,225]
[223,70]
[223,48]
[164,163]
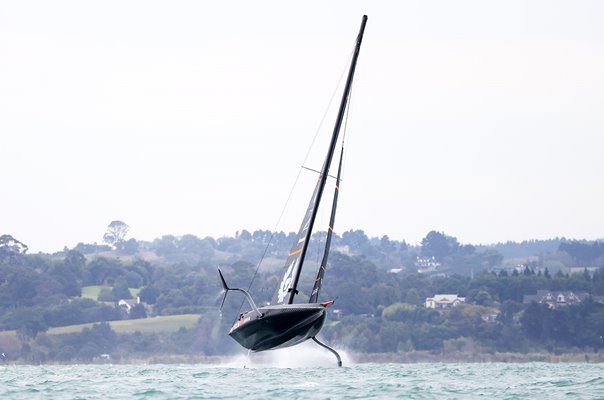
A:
[82,304]
[525,248]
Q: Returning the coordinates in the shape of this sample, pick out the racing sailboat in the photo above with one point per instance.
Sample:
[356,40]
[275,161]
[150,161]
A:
[284,323]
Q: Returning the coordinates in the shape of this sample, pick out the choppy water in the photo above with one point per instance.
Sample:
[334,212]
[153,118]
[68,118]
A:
[379,381]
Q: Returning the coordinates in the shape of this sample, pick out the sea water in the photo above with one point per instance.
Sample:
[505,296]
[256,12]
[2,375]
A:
[361,381]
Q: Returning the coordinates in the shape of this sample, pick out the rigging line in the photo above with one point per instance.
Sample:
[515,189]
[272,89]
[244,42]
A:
[346,121]
[333,95]
[289,196]
[344,131]
[335,91]
[318,172]
[271,237]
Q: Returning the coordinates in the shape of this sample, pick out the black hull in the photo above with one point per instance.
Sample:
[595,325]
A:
[279,326]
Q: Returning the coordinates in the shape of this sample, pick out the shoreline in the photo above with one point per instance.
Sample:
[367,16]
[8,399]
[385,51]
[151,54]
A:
[416,357]
[458,357]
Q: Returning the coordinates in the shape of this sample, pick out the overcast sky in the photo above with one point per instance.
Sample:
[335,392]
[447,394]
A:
[480,119]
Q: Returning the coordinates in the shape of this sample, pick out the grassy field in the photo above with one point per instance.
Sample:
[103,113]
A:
[167,323]
[92,292]
[7,335]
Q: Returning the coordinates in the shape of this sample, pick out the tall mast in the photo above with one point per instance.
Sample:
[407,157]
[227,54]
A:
[329,157]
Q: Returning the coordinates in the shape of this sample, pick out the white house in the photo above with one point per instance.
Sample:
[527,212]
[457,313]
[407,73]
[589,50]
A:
[128,304]
[444,301]
[555,299]
[426,264]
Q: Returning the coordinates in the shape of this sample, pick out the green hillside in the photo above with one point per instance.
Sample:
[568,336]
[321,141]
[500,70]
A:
[166,323]
[92,292]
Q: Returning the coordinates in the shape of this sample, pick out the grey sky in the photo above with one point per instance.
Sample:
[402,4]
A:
[480,119]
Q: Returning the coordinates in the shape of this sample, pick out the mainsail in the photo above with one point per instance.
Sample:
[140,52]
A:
[295,259]
[314,295]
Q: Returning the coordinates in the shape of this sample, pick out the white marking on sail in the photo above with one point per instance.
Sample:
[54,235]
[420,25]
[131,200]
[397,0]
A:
[285,283]
[307,224]
[301,240]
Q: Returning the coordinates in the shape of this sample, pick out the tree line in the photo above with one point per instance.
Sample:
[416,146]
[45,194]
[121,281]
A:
[378,292]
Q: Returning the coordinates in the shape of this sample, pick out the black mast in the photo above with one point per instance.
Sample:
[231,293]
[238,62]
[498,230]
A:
[327,163]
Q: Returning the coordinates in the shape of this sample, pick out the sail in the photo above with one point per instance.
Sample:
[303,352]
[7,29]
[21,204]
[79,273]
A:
[293,264]
[314,295]
[295,259]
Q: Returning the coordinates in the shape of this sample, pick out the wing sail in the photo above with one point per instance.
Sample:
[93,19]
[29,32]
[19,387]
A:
[295,259]
[314,296]
[293,262]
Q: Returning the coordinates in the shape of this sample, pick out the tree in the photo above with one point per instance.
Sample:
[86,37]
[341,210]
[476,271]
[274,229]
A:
[134,279]
[386,245]
[403,246]
[102,271]
[509,308]
[149,294]
[244,235]
[66,353]
[583,252]
[120,289]
[166,245]
[11,248]
[75,262]
[483,298]
[69,273]
[116,232]
[262,236]
[467,249]
[439,245]
[357,242]
[98,339]
[535,321]
[129,246]
[138,312]
[19,287]
[492,258]
[28,321]
[412,297]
